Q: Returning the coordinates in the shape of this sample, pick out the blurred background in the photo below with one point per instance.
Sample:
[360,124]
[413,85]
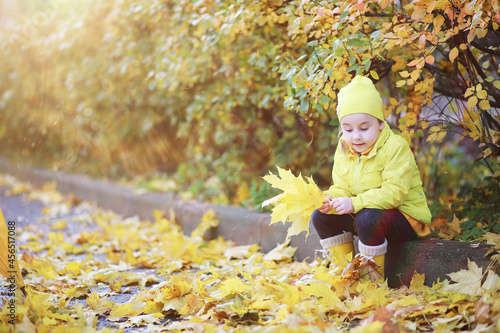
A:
[202,98]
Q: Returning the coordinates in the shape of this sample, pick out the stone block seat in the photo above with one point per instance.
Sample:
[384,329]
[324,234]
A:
[436,258]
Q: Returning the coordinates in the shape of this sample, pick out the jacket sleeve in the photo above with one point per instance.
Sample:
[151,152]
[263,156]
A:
[340,187]
[396,181]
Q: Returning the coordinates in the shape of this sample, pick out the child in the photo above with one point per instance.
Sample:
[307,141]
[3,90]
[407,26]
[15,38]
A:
[376,192]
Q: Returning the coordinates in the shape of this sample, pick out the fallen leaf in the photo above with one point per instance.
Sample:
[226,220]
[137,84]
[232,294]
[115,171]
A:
[466,281]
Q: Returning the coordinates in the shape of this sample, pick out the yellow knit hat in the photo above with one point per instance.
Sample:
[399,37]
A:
[359,96]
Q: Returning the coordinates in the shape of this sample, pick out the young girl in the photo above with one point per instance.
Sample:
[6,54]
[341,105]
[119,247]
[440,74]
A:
[376,192]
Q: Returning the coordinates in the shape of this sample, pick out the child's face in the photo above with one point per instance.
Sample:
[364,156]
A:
[360,130]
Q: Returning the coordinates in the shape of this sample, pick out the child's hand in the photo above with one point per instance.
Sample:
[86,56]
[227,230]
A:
[342,205]
[327,205]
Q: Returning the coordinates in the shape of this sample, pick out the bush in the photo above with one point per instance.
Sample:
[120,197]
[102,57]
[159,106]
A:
[477,207]
[215,93]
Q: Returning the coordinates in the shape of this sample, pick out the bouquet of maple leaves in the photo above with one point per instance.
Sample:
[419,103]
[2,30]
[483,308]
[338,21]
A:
[298,201]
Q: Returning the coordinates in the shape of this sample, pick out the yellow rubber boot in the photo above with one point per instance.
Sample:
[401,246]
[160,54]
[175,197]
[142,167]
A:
[338,247]
[375,254]
[338,254]
[380,262]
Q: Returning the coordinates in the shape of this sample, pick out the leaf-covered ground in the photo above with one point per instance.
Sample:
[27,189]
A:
[97,271]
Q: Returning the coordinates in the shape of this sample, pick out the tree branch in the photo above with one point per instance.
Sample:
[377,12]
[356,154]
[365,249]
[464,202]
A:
[452,94]
[485,49]
[377,15]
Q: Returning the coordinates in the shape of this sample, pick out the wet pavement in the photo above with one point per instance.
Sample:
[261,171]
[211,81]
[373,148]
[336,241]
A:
[35,220]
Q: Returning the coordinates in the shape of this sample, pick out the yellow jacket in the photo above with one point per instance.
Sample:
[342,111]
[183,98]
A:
[386,178]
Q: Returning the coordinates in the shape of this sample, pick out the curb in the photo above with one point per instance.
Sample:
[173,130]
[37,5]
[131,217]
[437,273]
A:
[240,225]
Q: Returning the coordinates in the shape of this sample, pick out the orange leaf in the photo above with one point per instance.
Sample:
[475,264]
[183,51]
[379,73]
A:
[415,62]
[421,39]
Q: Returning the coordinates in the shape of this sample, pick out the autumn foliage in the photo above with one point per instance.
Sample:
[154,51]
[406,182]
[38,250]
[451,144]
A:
[215,93]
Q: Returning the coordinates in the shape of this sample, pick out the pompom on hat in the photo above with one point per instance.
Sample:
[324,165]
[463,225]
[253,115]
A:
[359,96]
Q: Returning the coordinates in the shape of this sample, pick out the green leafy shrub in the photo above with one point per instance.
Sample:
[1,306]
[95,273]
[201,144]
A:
[477,206]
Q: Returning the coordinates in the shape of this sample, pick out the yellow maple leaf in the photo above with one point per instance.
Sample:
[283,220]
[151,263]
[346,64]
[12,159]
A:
[97,304]
[240,252]
[178,289]
[320,289]
[262,303]
[208,220]
[469,281]
[296,204]
[233,286]
[282,252]
[127,310]
[70,248]
[417,283]
[193,304]
[373,327]
[49,321]
[137,321]
[73,268]
[175,304]
[492,239]
[131,259]
[59,225]
[291,296]
[152,307]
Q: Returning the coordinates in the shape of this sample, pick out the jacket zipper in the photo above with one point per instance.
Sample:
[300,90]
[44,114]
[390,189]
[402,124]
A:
[356,175]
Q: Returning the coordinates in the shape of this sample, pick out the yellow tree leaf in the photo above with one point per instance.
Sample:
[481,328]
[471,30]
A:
[472,102]
[284,182]
[279,213]
[417,283]
[320,289]
[98,304]
[208,221]
[291,295]
[466,281]
[178,289]
[297,202]
[49,321]
[436,134]
[453,54]
[281,252]
[469,91]
[193,304]
[484,104]
[127,310]
[175,304]
[482,94]
[152,307]
[59,225]
[400,83]
[137,321]
[233,286]
[240,252]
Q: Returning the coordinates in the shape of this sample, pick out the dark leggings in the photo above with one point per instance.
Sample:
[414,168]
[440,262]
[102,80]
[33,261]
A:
[370,224]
